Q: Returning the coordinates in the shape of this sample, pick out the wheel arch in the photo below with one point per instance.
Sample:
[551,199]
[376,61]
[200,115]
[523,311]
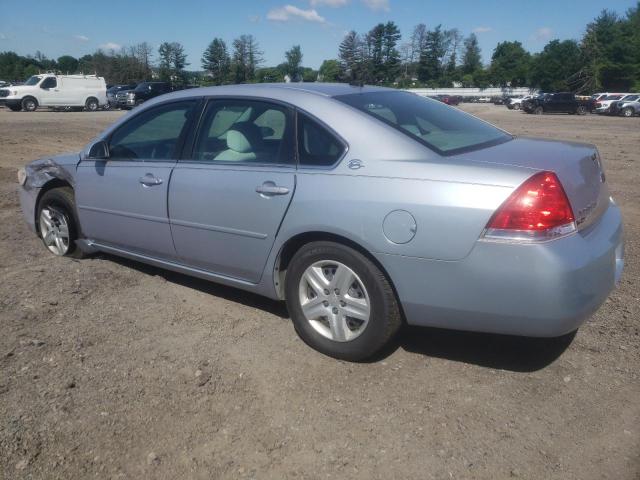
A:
[293,244]
[50,185]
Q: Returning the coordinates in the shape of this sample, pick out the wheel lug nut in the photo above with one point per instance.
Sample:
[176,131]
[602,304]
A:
[335,310]
[343,303]
[326,292]
[325,303]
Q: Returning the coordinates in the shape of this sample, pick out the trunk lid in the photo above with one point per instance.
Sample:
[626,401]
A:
[577,165]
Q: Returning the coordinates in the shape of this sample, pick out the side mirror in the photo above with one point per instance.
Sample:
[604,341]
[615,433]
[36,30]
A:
[99,151]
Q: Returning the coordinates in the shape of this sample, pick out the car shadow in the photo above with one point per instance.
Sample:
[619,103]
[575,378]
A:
[215,289]
[503,352]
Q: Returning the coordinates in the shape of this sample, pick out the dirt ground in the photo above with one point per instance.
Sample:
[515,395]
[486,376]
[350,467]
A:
[112,369]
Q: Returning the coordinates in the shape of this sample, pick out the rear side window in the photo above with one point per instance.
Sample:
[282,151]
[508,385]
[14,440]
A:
[49,82]
[152,135]
[316,145]
[444,129]
[245,131]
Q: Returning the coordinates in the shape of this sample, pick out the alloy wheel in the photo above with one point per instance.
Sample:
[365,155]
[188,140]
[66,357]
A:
[54,228]
[334,300]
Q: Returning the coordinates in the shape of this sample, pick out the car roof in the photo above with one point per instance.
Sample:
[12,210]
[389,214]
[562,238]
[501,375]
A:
[314,88]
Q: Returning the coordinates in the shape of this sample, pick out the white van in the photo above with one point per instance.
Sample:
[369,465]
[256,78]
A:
[50,90]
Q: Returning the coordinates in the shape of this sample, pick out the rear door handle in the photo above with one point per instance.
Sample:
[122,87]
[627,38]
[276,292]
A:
[150,180]
[269,189]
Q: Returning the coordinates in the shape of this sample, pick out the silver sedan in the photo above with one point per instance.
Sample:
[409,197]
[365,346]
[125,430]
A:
[364,208]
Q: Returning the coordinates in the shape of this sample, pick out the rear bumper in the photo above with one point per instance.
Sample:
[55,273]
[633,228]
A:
[543,290]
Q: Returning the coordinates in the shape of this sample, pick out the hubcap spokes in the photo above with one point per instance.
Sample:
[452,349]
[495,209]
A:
[334,300]
[54,229]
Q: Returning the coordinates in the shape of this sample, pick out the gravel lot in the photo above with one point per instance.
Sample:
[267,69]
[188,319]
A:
[112,369]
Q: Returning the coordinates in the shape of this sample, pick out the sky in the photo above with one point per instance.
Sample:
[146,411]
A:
[78,27]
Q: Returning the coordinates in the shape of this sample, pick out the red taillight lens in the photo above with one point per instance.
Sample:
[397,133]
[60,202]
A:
[538,209]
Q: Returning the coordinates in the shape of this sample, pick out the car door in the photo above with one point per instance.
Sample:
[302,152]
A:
[122,200]
[49,92]
[226,201]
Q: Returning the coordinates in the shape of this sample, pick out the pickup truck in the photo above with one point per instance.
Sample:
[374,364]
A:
[557,103]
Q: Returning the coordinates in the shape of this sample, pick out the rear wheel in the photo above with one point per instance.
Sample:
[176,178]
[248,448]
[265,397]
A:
[581,110]
[627,112]
[57,222]
[516,106]
[91,105]
[340,302]
[29,104]
[538,110]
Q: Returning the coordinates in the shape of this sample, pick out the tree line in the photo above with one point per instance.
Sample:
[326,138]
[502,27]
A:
[606,58]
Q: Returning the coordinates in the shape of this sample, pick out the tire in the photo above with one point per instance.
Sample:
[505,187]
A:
[369,296]
[538,110]
[627,112]
[139,102]
[57,206]
[29,104]
[14,108]
[91,105]
[581,110]
[516,106]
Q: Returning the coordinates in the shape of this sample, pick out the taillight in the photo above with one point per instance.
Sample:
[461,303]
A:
[537,210]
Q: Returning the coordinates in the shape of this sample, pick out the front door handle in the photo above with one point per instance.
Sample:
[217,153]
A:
[150,180]
[269,189]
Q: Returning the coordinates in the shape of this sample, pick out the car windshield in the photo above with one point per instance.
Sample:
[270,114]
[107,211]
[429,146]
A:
[613,97]
[442,128]
[32,80]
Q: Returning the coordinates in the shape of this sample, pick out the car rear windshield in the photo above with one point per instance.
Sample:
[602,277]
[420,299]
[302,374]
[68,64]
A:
[444,129]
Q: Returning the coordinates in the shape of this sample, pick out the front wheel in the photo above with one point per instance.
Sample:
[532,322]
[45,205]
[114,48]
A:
[516,106]
[57,222]
[627,112]
[340,302]
[91,105]
[581,110]
[29,104]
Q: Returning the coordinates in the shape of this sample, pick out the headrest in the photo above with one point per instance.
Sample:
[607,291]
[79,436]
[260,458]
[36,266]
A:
[244,137]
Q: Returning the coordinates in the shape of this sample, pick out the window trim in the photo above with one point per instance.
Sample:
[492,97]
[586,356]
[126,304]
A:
[333,133]
[189,147]
[184,134]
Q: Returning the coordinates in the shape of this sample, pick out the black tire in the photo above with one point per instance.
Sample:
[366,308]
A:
[581,110]
[92,105]
[29,104]
[627,112]
[63,200]
[14,108]
[538,110]
[516,106]
[384,317]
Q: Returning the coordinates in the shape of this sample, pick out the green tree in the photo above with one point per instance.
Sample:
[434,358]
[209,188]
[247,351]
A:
[390,54]
[216,61]
[554,67]
[510,65]
[433,51]
[471,56]
[350,55]
[294,63]
[173,61]
[247,57]
[67,64]
[330,71]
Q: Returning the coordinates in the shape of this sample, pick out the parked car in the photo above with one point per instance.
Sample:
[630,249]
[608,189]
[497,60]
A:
[362,207]
[448,99]
[630,108]
[515,103]
[114,90]
[146,91]
[616,106]
[599,96]
[56,91]
[609,105]
[557,103]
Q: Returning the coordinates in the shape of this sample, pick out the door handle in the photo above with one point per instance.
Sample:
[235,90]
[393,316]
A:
[269,189]
[150,180]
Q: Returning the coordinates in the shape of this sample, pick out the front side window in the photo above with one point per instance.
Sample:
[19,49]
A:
[317,147]
[152,135]
[444,129]
[49,82]
[244,131]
